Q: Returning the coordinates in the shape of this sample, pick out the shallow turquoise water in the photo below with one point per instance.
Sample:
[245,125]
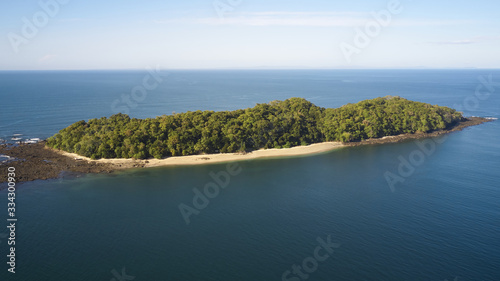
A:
[442,222]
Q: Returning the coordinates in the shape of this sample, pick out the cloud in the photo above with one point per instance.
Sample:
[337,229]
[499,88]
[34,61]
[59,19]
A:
[285,13]
[456,42]
[312,19]
[474,40]
[46,58]
[278,19]
[71,19]
[272,21]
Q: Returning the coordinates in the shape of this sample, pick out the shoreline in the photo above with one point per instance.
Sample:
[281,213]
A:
[203,159]
[36,161]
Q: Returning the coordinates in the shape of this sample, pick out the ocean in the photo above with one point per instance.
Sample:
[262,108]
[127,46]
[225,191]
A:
[417,210]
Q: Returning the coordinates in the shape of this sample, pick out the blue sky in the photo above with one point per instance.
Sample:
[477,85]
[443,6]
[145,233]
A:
[133,34]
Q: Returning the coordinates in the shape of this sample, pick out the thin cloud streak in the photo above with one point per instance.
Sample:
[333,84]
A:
[46,58]
[284,13]
[263,21]
[307,19]
[457,42]
[72,19]
[477,39]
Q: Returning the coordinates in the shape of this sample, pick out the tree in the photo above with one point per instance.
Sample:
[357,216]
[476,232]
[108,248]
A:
[277,124]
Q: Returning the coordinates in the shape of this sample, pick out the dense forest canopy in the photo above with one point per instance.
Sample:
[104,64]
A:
[278,124]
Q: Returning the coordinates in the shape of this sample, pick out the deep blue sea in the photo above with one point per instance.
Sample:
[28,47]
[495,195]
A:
[332,216]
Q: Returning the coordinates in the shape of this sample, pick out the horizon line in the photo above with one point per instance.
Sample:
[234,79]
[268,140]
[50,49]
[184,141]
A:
[257,68]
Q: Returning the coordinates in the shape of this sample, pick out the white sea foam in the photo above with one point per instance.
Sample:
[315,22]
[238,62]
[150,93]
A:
[32,140]
[4,158]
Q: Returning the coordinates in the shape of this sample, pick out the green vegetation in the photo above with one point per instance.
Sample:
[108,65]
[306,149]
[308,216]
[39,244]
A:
[278,124]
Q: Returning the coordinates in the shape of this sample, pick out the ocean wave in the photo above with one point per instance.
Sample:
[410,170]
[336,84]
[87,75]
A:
[5,158]
[16,139]
[32,140]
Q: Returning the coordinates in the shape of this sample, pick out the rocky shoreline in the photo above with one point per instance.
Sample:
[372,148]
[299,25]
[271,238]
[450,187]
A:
[470,121]
[36,161]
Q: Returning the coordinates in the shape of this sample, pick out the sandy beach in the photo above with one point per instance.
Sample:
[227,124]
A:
[212,158]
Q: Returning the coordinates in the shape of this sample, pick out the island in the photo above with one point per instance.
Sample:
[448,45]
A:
[279,128]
